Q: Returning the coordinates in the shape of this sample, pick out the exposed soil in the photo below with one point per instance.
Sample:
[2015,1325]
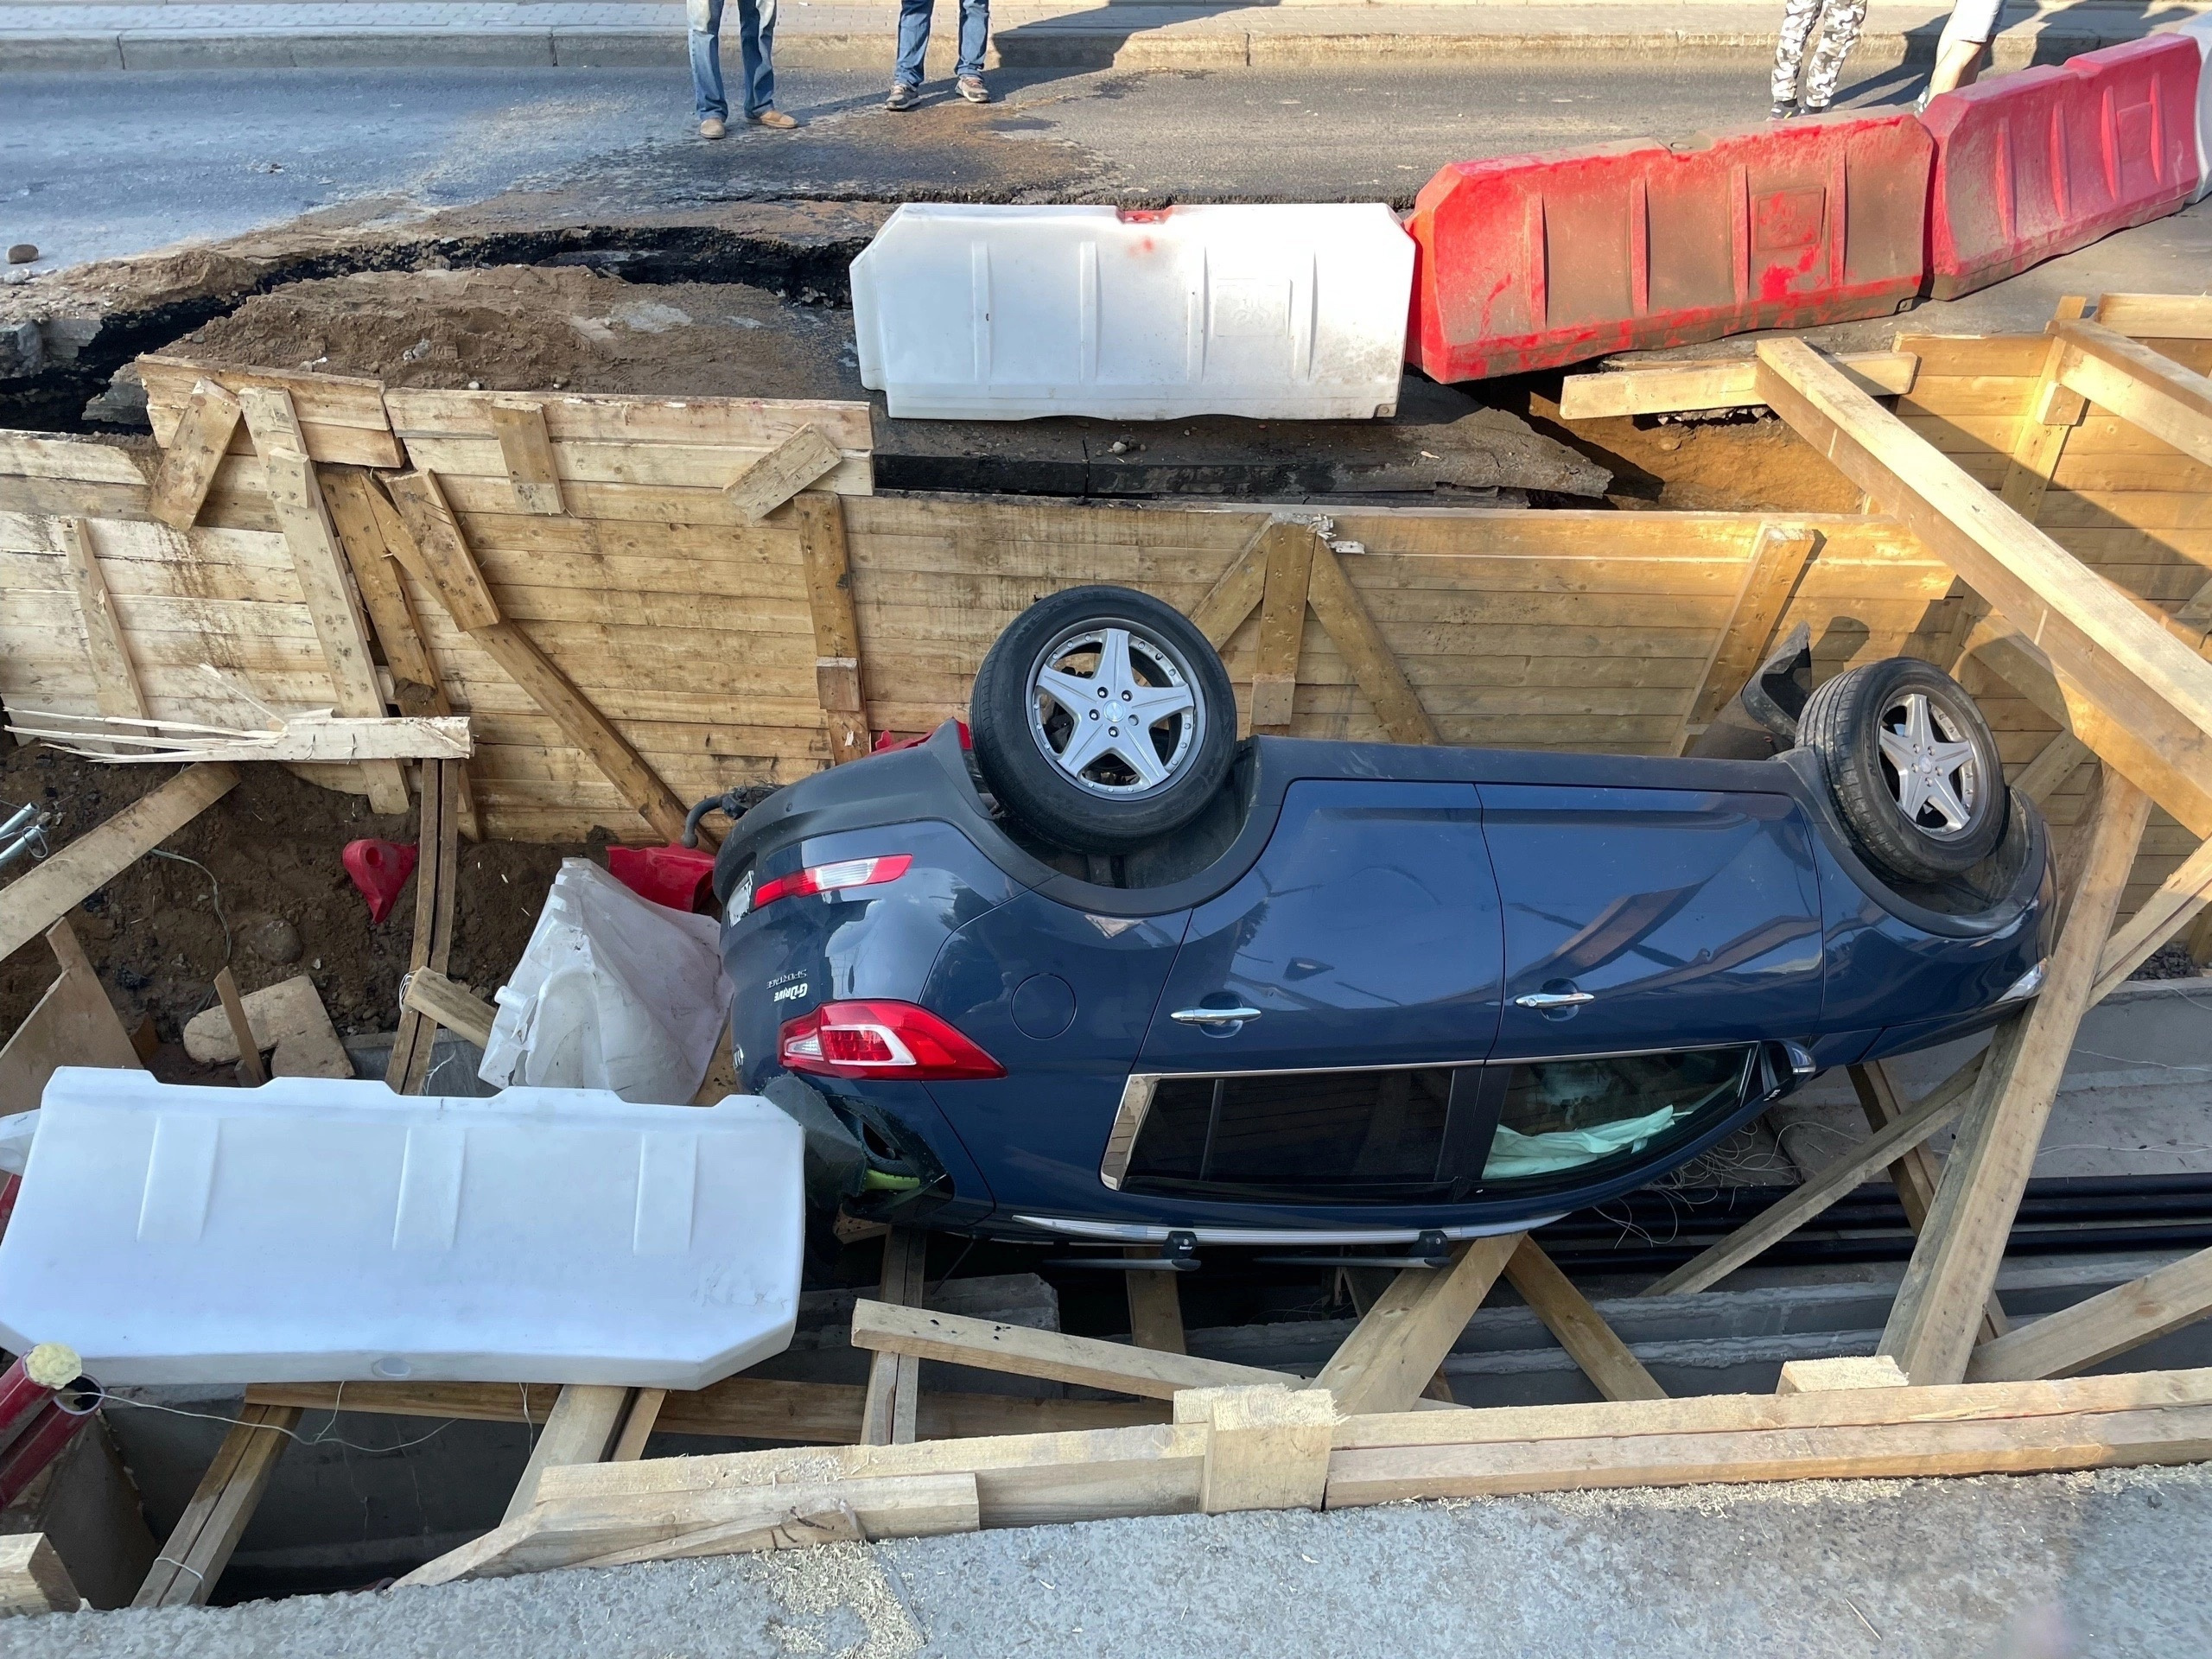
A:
[536,328]
[271,848]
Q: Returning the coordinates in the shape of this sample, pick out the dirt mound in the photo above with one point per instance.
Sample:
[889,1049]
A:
[538,329]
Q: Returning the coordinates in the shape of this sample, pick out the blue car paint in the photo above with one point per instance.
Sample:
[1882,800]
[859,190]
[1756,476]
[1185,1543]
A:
[1706,901]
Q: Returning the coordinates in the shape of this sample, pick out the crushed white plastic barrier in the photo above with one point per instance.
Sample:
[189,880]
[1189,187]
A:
[612,992]
[319,1231]
[995,313]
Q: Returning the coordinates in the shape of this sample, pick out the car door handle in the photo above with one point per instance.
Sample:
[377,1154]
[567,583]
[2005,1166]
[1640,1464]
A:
[1213,1016]
[1546,999]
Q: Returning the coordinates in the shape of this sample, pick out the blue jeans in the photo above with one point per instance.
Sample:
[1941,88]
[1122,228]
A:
[756,43]
[914,38]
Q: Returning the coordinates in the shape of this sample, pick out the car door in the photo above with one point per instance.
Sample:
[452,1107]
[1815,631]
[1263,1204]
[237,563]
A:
[1652,919]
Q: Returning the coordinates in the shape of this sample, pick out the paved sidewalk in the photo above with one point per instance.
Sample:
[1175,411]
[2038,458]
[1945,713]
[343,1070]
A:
[168,34]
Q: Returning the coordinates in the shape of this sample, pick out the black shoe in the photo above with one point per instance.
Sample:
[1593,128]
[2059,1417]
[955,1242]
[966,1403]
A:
[1781,110]
[903,97]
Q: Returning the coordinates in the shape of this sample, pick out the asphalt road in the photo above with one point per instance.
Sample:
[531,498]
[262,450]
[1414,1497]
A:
[97,165]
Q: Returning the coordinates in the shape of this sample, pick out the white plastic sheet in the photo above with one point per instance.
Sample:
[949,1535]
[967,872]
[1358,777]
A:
[318,1231]
[612,992]
[995,313]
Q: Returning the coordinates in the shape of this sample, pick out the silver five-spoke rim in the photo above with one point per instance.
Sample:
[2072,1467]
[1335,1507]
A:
[1935,776]
[1114,710]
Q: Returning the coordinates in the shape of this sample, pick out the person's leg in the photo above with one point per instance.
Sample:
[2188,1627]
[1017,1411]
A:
[705,20]
[1839,26]
[975,38]
[1966,37]
[756,46]
[1797,17]
[913,41]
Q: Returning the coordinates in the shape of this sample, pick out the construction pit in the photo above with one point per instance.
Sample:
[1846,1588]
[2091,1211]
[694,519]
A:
[1579,562]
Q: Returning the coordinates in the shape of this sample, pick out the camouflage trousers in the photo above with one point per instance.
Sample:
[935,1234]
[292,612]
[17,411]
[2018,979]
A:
[1840,22]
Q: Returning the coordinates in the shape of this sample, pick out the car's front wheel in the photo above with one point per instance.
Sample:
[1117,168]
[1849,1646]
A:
[1913,766]
[1102,719]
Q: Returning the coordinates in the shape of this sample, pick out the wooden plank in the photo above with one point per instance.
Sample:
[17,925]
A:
[1155,1306]
[582,1426]
[195,449]
[74,1023]
[1604,1359]
[990,1346]
[366,521]
[325,399]
[1685,387]
[1939,1306]
[797,463]
[1858,1372]
[429,992]
[2179,901]
[2145,680]
[1918,1171]
[1289,556]
[1779,562]
[434,552]
[295,496]
[2040,441]
[2094,1331]
[820,518]
[894,1380]
[2170,403]
[638,1425]
[1337,606]
[1236,592]
[437,873]
[47,891]
[528,453]
[1823,1188]
[33,1580]
[2156,316]
[199,1546]
[2057,761]
[250,1071]
[115,680]
[1396,1347]
[1267,1447]
[626,418]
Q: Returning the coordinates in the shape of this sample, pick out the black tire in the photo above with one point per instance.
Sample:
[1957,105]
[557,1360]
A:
[1909,828]
[1022,730]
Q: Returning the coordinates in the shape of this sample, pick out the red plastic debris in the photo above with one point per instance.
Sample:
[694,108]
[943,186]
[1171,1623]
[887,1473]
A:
[886,741]
[678,877]
[380,869]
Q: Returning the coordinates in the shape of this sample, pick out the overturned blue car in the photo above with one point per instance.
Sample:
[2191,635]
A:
[1110,973]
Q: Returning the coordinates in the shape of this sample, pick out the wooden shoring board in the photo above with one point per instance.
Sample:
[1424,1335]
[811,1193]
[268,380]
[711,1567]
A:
[428,992]
[797,463]
[821,518]
[194,452]
[1607,1361]
[582,1428]
[1155,1305]
[295,496]
[527,449]
[2043,435]
[73,1024]
[1918,1171]
[1391,1354]
[1290,545]
[342,418]
[1336,604]
[1947,1284]
[2156,316]
[1778,564]
[115,688]
[2094,1330]
[366,520]
[199,1546]
[894,1380]
[1685,388]
[33,1579]
[2170,403]
[1086,1361]
[437,876]
[2153,689]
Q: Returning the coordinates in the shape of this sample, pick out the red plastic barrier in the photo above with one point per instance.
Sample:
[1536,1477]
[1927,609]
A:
[1529,261]
[2036,164]
[677,877]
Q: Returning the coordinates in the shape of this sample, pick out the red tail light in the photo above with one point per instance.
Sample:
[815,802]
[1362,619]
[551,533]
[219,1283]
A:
[833,878]
[880,1040]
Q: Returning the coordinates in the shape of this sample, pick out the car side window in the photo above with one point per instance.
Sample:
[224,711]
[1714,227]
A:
[1563,1115]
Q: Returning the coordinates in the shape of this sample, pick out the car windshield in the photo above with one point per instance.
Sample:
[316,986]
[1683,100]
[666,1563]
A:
[1560,1115]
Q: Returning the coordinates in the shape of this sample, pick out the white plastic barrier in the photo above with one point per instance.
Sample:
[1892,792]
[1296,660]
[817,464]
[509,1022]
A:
[614,991]
[2199,28]
[1007,313]
[317,1230]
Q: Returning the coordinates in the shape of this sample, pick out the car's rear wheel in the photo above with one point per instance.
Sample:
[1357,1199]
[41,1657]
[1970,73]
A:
[1102,719]
[1913,766]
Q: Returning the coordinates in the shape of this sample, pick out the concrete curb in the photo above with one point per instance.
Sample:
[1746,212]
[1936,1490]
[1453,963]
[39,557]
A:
[1042,45]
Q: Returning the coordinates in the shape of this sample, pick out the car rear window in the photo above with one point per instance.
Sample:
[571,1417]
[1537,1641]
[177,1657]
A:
[1563,1115]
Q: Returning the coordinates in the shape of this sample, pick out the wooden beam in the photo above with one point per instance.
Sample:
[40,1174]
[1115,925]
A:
[1236,592]
[894,1380]
[437,876]
[195,450]
[1267,1447]
[1396,1347]
[582,1426]
[2178,901]
[836,626]
[638,1424]
[33,1580]
[1688,387]
[2094,1331]
[800,461]
[1155,1305]
[1282,622]
[528,454]
[429,992]
[1954,1268]
[1342,613]
[315,738]
[1083,1360]
[74,1023]
[116,689]
[2053,414]
[2172,403]
[1604,1359]
[1815,1375]
[1917,1170]
[46,893]
[2145,680]
[1779,560]
[2056,762]
[199,1546]
[250,1071]
[2156,316]
[296,497]
[437,554]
